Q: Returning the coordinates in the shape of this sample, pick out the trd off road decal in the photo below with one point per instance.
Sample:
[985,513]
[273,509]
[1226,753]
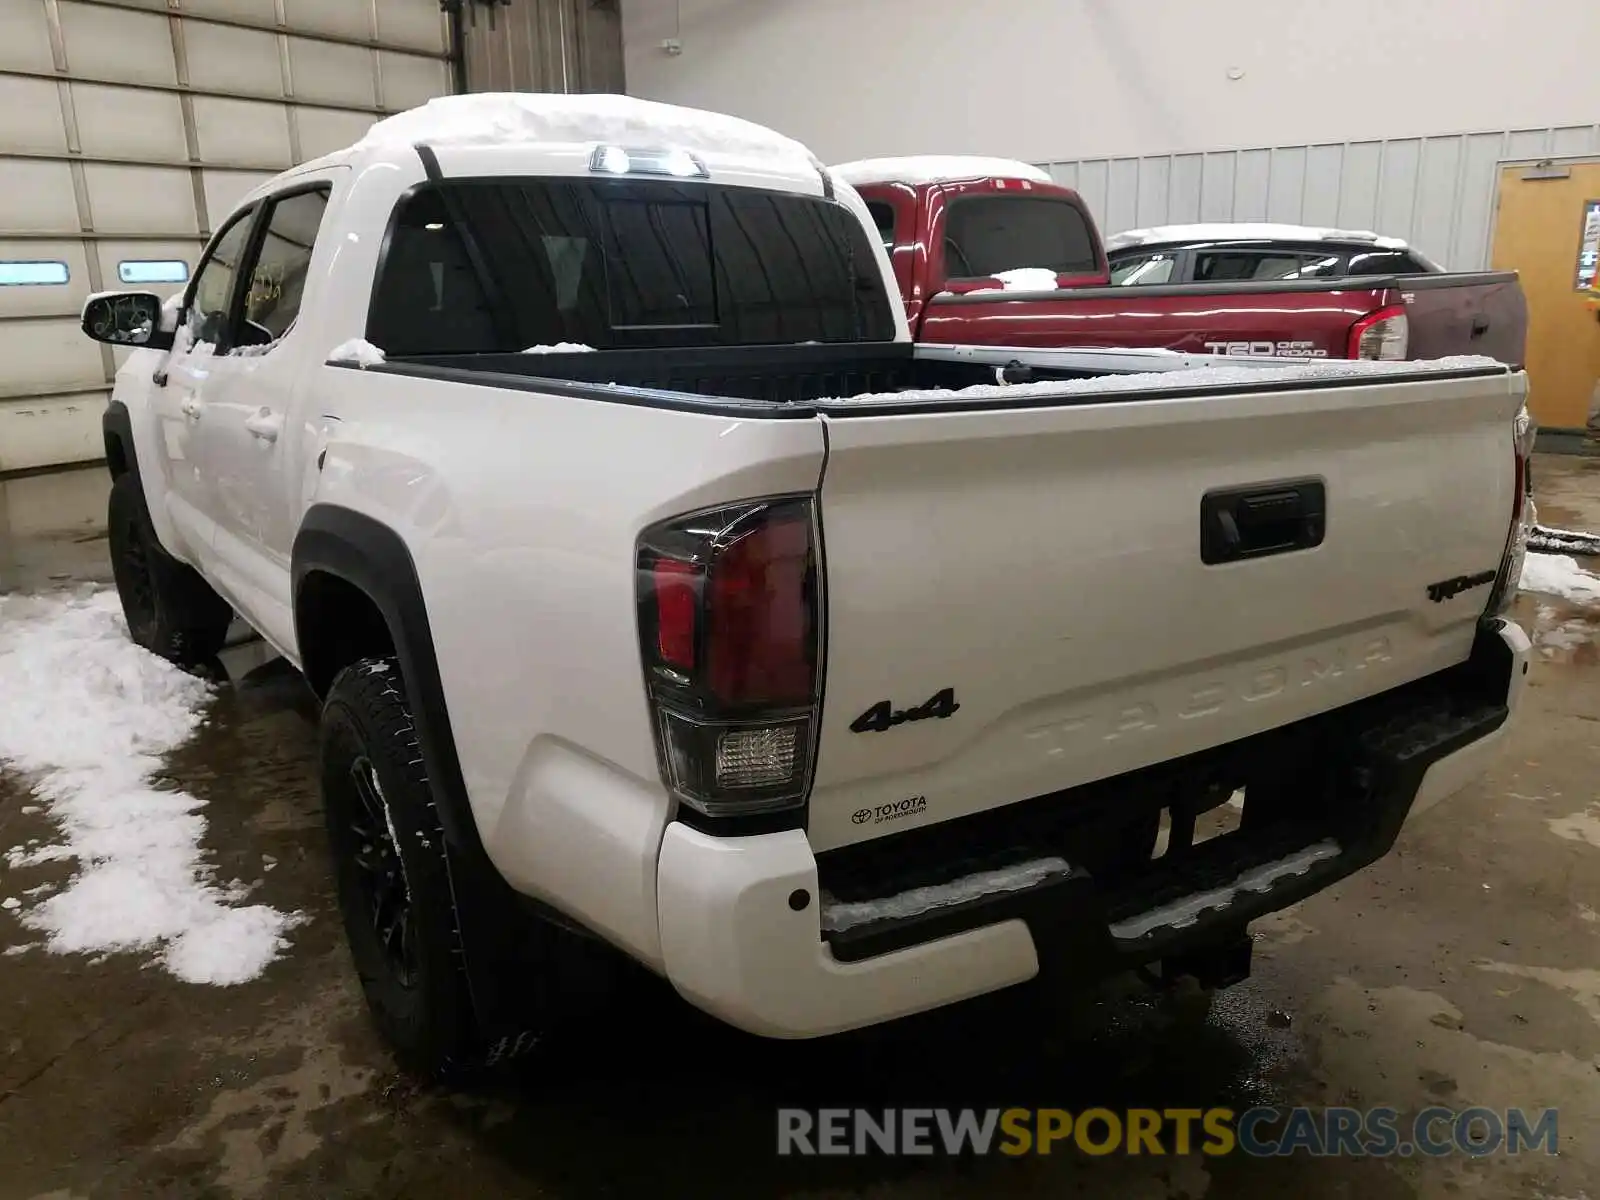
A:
[1267,349]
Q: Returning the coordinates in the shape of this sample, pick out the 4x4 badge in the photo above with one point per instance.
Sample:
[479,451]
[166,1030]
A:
[883,715]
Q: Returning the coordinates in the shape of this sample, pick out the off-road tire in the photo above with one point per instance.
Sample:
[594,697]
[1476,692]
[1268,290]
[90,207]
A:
[417,990]
[169,608]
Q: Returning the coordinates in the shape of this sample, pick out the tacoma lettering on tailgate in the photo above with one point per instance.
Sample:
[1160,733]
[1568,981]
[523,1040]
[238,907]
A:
[1144,715]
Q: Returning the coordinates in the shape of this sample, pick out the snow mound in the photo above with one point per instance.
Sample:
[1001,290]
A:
[508,118]
[1022,279]
[935,168]
[560,348]
[358,351]
[87,716]
[1559,575]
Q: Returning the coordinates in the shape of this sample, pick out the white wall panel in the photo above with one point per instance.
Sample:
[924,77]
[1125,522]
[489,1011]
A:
[1252,178]
[1398,182]
[1183,187]
[33,301]
[326,72]
[126,199]
[1122,191]
[43,431]
[30,116]
[117,44]
[25,37]
[409,81]
[323,130]
[238,60]
[131,128]
[224,189]
[1437,192]
[38,197]
[1216,187]
[1286,189]
[1155,180]
[348,18]
[122,122]
[1359,173]
[45,355]
[262,12]
[242,131]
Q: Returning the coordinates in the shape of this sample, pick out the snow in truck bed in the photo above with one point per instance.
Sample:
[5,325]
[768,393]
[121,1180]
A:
[510,118]
[1186,377]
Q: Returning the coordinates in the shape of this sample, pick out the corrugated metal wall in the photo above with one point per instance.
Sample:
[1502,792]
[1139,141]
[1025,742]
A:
[543,46]
[1437,192]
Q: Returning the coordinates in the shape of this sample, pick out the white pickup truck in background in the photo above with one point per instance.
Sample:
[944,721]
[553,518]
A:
[829,677]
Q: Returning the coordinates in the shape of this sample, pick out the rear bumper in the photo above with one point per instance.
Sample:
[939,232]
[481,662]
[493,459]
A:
[741,918]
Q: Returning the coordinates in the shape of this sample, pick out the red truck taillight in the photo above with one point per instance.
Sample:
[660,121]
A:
[1385,335]
[1523,518]
[730,629]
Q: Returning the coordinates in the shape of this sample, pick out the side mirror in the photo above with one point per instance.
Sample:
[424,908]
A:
[126,319]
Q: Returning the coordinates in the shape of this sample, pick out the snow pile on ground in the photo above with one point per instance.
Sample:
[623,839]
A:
[358,351]
[1022,279]
[1223,374]
[1559,575]
[560,348]
[87,716]
[512,118]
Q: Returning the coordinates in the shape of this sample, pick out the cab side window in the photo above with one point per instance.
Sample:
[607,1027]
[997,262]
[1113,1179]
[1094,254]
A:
[883,218]
[211,300]
[278,271]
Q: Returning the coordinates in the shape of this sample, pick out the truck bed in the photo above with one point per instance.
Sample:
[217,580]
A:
[796,380]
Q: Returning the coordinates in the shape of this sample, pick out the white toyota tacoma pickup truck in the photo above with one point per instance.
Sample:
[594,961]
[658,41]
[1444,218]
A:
[661,596]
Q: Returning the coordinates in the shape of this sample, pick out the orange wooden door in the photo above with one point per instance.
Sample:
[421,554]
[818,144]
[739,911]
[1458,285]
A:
[1540,233]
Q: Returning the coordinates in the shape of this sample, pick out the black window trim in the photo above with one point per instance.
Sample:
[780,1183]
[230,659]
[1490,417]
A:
[245,216]
[258,239]
[951,202]
[437,180]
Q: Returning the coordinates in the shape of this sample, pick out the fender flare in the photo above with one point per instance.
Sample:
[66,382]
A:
[491,916]
[373,558]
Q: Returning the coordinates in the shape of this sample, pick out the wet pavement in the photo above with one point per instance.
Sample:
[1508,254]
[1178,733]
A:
[1462,969]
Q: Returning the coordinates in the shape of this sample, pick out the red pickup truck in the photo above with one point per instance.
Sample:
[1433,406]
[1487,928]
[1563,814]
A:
[992,252]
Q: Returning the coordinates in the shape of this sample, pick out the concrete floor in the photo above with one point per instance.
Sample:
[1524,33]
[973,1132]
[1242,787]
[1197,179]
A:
[1460,970]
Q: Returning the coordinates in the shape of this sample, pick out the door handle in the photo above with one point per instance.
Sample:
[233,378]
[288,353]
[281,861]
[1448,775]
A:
[190,407]
[264,424]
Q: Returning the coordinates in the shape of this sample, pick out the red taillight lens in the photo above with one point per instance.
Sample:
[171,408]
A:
[676,600]
[729,622]
[758,617]
[1384,336]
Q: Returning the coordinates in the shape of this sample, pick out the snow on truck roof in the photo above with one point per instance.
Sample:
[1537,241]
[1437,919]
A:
[935,169]
[540,118]
[1247,232]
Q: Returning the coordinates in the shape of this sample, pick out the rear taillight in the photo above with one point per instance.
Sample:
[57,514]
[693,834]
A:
[1385,335]
[730,629]
[1523,518]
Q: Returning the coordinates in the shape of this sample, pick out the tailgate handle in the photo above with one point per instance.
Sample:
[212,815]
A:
[1253,522]
[1480,326]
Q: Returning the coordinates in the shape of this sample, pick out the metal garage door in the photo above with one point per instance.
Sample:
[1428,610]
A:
[129,129]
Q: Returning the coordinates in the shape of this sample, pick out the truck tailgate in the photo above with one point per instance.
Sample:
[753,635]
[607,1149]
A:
[1018,600]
